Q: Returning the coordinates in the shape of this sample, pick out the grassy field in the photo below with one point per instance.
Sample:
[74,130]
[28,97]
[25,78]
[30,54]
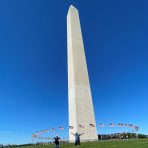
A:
[102,144]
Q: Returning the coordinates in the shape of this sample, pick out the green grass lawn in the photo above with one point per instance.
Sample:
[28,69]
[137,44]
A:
[102,144]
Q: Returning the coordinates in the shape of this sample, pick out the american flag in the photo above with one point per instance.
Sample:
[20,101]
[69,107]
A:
[36,133]
[33,136]
[136,128]
[91,125]
[130,125]
[46,130]
[101,125]
[125,124]
[53,129]
[120,124]
[61,128]
[70,127]
[112,124]
[80,125]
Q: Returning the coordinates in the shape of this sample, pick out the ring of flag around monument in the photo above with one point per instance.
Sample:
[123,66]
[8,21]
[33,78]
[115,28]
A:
[37,135]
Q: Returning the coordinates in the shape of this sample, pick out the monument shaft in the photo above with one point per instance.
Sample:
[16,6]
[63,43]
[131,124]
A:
[81,111]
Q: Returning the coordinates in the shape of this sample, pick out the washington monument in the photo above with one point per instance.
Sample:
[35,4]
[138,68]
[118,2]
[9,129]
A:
[81,111]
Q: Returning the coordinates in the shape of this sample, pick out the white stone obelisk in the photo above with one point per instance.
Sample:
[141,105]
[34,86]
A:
[81,111]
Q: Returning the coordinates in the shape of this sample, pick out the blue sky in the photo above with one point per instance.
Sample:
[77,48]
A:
[33,64]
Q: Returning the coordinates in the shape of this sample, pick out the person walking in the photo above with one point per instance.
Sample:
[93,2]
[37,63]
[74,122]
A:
[77,138]
[56,142]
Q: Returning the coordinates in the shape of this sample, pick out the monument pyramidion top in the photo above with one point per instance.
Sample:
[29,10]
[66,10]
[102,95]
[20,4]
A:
[72,8]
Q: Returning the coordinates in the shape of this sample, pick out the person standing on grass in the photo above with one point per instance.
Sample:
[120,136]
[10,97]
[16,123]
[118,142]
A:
[77,138]
[56,142]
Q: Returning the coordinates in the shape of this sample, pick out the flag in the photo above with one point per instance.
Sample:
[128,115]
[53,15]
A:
[130,125]
[101,125]
[46,130]
[37,133]
[80,125]
[53,129]
[61,128]
[70,127]
[33,136]
[119,124]
[136,128]
[112,124]
[91,125]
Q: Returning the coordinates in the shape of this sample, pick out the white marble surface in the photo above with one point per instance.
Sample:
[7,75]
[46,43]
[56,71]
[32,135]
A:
[81,111]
